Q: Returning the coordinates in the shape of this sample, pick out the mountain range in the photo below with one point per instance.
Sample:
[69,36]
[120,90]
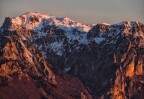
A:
[45,57]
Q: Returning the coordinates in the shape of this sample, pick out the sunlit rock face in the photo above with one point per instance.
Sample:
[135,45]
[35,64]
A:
[25,73]
[108,59]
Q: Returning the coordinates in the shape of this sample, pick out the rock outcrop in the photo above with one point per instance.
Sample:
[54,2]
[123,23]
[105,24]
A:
[25,74]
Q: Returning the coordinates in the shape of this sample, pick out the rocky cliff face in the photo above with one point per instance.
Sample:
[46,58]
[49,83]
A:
[108,59]
[121,60]
[25,74]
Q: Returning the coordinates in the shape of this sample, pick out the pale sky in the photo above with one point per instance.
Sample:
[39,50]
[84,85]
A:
[85,11]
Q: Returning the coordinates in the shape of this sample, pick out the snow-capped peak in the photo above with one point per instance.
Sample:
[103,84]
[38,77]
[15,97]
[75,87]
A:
[31,21]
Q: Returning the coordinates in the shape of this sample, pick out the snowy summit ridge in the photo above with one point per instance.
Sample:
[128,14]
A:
[54,34]
[31,21]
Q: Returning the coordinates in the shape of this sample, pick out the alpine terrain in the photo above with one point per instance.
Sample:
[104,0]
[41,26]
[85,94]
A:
[45,57]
